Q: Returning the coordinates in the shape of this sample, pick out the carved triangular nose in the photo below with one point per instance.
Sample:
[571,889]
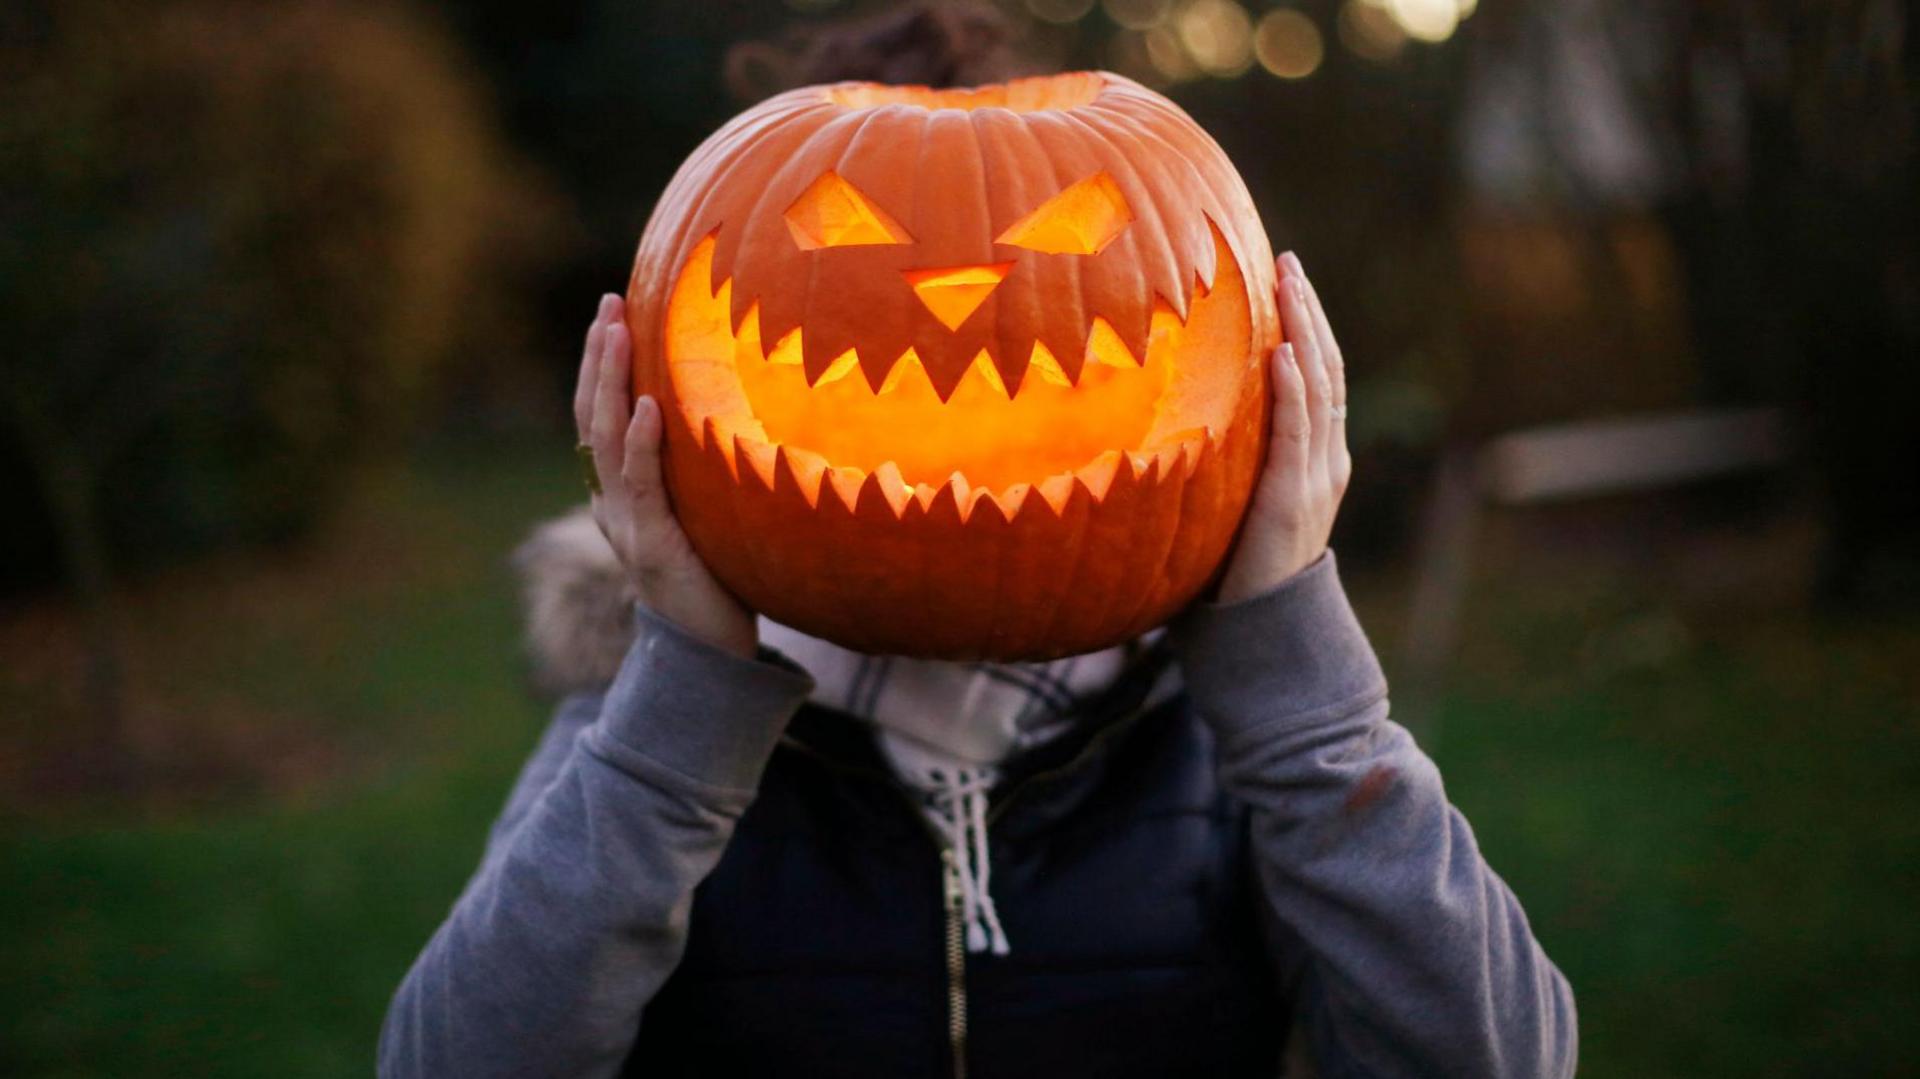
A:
[954,292]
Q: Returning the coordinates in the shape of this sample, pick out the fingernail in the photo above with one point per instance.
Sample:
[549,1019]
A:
[1287,354]
[1293,262]
[1298,289]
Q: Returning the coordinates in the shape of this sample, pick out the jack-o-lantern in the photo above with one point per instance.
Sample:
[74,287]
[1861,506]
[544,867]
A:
[969,373]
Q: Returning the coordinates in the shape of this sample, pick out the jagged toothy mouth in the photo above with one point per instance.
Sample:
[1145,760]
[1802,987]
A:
[987,439]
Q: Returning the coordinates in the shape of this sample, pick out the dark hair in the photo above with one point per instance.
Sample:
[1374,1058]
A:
[928,43]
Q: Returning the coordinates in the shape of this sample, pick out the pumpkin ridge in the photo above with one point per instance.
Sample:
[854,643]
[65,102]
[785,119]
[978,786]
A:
[1135,331]
[813,143]
[801,128]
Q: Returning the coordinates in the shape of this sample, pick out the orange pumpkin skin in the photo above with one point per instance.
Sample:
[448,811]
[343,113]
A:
[964,374]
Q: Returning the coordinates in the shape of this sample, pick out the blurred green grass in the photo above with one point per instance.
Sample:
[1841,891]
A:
[1718,846]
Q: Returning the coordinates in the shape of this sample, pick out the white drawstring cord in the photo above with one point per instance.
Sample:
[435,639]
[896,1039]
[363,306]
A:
[959,799]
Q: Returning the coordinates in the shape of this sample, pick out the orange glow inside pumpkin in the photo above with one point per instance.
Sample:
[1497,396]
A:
[1081,220]
[987,438]
[833,213]
[955,292]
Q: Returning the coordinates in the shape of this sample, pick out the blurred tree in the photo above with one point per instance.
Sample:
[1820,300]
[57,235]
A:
[1800,227]
[1772,145]
[238,245]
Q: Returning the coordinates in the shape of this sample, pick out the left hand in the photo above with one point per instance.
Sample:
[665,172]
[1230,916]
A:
[1298,493]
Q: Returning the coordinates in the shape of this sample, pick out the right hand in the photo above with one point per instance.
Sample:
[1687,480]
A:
[631,508]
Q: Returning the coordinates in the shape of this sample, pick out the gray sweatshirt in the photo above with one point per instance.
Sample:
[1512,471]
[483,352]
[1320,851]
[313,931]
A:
[1418,960]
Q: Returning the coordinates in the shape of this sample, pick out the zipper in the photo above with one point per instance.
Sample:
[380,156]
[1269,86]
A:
[956,962]
[955,899]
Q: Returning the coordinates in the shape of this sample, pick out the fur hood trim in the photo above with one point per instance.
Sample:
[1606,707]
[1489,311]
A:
[579,604]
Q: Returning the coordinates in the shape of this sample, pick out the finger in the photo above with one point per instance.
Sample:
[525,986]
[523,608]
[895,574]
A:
[612,401]
[1296,322]
[1329,345]
[1292,429]
[1339,460]
[590,366]
[1313,369]
[641,474]
[641,468]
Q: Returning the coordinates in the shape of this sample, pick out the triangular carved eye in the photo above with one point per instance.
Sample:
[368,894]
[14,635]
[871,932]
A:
[1081,220]
[833,213]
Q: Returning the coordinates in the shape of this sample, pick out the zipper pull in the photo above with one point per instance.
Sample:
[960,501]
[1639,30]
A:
[950,879]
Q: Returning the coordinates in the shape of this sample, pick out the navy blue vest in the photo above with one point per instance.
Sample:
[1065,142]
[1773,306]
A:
[1120,870]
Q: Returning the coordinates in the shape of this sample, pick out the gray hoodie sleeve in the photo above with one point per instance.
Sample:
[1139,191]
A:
[578,912]
[1419,961]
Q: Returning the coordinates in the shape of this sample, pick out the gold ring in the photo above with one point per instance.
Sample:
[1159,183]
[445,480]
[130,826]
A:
[588,472]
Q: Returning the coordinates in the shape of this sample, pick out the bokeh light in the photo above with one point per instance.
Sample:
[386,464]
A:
[1168,56]
[1137,14]
[1218,35]
[1369,32]
[1288,44]
[1062,11]
[1426,20]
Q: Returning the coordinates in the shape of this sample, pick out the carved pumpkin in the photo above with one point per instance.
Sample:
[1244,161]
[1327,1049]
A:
[968,373]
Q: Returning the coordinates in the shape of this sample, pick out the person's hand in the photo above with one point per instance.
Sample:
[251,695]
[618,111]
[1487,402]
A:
[631,504]
[1298,493]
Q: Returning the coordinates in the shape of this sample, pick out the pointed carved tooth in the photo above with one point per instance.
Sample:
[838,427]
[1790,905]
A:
[983,370]
[727,430]
[1071,355]
[962,494]
[986,504]
[746,339]
[1010,500]
[947,362]
[1105,346]
[820,350]
[808,470]
[736,304]
[779,321]
[841,367]
[907,367]
[892,486]
[1134,331]
[758,456]
[788,351]
[1206,268]
[1043,366]
[1056,491]
[1192,453]
[1098,474]
[1177,307]
[845,482]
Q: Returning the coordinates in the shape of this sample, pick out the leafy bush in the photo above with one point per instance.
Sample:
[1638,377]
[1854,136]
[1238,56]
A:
[239,246]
